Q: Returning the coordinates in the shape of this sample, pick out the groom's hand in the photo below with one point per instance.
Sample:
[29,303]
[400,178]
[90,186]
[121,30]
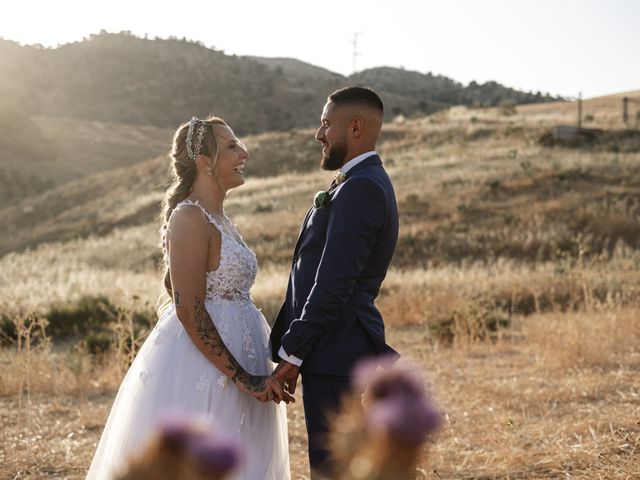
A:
[274,391]
[287,374]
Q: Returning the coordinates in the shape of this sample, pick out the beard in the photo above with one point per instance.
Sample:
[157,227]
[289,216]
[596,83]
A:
[335,157]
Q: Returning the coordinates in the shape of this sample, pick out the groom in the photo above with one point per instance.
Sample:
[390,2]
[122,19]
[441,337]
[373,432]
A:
[328,321]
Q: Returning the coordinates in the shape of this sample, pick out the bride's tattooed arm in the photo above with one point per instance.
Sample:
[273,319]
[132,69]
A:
[209,335]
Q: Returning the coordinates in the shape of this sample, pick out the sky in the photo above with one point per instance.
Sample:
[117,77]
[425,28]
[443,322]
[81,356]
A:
[561,47]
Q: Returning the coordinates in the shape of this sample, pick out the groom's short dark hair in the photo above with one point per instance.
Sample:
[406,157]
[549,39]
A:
[357,95]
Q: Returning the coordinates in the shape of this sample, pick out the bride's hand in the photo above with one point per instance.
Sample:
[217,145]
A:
[270,389]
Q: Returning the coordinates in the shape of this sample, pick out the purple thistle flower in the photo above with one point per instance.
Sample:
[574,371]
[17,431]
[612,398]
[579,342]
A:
[175,430]
[215,455]
[400,403]
[411,420]
[213,452]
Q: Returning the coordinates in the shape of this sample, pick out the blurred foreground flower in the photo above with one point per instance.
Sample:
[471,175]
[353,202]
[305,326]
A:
[184,449]
[400,405]
[383,439]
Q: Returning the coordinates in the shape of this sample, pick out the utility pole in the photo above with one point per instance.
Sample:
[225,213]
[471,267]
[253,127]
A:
[579,110]
[354,44]
[625,110]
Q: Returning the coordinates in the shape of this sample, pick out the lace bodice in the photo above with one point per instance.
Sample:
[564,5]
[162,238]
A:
[238,267]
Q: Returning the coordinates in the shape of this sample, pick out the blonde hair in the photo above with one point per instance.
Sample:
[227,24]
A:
[184,171]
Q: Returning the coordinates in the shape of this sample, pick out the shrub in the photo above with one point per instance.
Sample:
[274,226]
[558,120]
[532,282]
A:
[480,320]
[7,330]
[98,342]
[91,318]
[90,313]
[263,208]
[507,108]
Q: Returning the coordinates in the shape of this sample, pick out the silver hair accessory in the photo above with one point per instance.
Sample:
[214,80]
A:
[193,153]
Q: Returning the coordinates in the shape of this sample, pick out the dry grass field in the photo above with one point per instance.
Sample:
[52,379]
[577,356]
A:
[515,289]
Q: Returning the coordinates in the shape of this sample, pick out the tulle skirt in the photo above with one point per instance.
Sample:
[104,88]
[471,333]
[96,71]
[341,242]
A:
[170,376]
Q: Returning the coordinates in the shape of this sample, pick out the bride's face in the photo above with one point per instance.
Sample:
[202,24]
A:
[232,155]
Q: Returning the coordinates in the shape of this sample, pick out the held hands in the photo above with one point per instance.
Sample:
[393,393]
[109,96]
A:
[268,389]
[279,387]
[287,375]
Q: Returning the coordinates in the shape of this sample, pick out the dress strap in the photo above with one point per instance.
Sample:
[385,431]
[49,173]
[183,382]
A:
[209,216]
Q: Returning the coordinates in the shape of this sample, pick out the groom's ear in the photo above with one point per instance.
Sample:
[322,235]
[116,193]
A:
[357,126]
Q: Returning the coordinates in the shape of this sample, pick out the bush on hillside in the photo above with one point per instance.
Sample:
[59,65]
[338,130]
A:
[91,319]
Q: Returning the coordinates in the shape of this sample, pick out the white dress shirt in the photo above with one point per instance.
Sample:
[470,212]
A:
[356,160]
[344,169]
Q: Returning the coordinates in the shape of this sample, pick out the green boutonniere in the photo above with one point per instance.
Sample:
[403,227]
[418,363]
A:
[321,200]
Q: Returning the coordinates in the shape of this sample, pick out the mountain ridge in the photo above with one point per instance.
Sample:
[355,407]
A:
[113,99]
[121,78]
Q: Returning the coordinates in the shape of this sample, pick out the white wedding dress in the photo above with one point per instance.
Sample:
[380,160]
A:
[170,376]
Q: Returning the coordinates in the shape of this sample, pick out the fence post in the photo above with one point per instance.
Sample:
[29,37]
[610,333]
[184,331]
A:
[579,110]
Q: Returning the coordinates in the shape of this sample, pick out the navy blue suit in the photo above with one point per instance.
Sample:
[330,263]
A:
[329,319]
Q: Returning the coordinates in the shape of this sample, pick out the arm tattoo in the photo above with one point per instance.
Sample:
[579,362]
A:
[176,299]
[212,339]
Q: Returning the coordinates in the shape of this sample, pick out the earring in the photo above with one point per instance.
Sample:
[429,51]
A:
[210,171]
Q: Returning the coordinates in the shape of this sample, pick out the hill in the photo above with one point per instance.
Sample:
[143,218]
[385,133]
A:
[113,99]
[511,171]
[427,93]
[41,153]
[121,78]
[129,195]
[294,67]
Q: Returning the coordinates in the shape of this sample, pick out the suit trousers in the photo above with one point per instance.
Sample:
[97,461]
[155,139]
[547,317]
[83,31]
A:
[322,396]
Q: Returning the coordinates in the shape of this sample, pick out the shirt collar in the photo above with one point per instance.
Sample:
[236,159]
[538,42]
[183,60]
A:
[354,161]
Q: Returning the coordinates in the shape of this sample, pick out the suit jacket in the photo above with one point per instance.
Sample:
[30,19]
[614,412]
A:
[329,319]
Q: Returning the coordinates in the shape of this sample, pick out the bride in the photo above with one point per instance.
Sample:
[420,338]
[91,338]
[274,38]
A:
[208,355]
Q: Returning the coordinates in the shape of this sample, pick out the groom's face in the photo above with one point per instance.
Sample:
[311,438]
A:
[333,137]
